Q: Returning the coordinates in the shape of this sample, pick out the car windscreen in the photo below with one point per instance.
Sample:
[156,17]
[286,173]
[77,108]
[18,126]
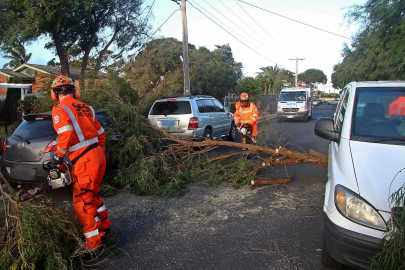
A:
[379,112]
[34,129]
[171,107]
[291,96]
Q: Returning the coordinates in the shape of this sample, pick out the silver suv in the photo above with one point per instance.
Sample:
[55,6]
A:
[197,117]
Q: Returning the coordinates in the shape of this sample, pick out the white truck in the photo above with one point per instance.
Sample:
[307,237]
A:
[294,103]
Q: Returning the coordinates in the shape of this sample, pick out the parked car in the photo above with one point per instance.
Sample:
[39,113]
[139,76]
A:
[323,100]
[31,146]
[196,117]
[316,102]
[333,102]
[366,153]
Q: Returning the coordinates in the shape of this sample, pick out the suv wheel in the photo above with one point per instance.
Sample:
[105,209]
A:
[207,134]
[326,259]
[232,133]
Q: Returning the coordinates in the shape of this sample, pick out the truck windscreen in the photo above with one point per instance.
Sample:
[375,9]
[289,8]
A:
[293,96]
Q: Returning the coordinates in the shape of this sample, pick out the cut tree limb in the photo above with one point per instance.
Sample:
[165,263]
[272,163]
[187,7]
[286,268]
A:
[271,181]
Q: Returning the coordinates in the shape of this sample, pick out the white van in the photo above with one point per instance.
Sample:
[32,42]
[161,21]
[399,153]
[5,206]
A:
[365,167]
[294,103]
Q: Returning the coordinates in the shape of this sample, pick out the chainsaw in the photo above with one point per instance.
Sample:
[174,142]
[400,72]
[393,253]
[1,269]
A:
[247,133]
[58,178]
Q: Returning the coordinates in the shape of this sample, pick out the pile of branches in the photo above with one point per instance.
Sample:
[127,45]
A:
[36,234]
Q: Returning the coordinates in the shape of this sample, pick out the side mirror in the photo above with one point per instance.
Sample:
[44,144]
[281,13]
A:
[230,114]
[324,129]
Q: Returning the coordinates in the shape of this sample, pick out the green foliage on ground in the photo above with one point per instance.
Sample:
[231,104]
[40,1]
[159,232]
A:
[392,254]
[39,235]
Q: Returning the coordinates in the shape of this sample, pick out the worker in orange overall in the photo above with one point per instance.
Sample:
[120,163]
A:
[246,117]
[82,139]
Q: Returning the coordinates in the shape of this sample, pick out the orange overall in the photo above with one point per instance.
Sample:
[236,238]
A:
[247,115]
[78,128]
[397,107]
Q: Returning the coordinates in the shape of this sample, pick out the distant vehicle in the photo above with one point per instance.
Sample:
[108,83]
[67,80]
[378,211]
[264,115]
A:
[366,154]
[323,100]
[333,102]
[294,103]
[197,117]
[31,146]
[316,102]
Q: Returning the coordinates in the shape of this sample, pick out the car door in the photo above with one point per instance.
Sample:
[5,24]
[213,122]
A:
[223,119]
[214,121]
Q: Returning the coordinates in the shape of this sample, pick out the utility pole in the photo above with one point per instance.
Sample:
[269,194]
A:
[186,71]
[296,70]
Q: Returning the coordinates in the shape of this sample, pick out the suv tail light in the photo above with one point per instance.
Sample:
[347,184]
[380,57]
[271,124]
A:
[193,123]
[50,147]
[5,145]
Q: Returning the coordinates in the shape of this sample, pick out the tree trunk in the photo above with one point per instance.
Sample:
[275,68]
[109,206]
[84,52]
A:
[64,62]
[87,51]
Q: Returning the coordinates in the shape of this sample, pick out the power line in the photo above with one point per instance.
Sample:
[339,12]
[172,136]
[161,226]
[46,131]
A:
[261,27]
[230,33]
[265,47]
[222,22]
[294,20]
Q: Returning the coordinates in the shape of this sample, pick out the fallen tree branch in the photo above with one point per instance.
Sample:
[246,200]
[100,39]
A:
[284,180]
[254,149]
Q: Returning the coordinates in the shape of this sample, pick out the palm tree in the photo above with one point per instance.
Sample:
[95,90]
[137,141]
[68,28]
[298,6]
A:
[16,53]
[267,78]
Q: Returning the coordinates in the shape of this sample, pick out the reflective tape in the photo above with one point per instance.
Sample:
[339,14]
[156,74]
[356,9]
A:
[94,115]
[96,218]
[83,144]
[74,122]
[100,131]
[63,151]
[91,234]
[101,208]
[64,129]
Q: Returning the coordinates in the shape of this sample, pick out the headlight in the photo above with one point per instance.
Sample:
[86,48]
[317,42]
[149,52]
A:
[279,108]
[353,207]
[303,108]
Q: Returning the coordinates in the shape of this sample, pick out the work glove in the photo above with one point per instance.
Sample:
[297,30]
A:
[243,131]
[57,160]
[238,125]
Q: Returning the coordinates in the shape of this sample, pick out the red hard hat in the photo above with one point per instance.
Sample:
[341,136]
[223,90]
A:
[60,81]
[244,96]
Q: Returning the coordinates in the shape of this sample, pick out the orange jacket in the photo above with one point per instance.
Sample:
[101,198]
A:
[77,127]
[397,107]
[247,115]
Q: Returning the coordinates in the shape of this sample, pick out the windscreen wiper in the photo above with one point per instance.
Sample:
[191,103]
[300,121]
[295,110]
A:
[22,138]
[396,138]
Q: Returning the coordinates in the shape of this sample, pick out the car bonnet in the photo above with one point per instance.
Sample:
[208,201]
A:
[380,171]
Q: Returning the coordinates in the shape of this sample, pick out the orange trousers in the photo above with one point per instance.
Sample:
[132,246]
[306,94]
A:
[87,203]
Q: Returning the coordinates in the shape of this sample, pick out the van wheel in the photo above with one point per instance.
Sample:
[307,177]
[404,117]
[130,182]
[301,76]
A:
[207,134]
[326,259]
[232,133]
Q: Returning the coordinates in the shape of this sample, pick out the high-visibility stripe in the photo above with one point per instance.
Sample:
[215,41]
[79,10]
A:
[83,144]
[245,121]
[91,234]
[101,208]
[96,218]
[100,131]
[74,122]
[63,151]
[94,115]
[64,129]
[399,109]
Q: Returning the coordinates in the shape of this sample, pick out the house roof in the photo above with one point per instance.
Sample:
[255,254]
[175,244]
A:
[11,73]
[51,70]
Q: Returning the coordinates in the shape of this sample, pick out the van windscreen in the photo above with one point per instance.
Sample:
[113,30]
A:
[293,96]
[171,107]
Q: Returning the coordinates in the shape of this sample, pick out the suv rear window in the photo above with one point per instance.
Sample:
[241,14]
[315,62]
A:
[171,107]
[33,129]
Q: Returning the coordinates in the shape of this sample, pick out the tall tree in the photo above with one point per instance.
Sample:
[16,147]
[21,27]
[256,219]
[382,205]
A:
[16,53]
[313,77]
[272,79]
[93,26]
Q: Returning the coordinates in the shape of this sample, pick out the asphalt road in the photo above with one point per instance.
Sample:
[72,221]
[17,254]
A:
[267,227]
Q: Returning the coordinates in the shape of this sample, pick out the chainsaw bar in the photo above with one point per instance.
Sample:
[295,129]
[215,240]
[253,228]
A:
[32,191]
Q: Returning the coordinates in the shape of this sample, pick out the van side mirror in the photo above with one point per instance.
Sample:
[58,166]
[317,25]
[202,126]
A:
[324,128]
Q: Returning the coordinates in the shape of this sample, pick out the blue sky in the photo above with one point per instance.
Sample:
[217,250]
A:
[257,36]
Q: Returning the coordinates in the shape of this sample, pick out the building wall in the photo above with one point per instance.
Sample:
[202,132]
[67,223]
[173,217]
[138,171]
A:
[3,90]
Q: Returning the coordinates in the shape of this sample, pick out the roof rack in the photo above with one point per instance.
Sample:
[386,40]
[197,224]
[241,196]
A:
[191,97]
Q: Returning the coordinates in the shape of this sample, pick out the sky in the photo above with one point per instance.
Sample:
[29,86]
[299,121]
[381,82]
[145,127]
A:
[261,33]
